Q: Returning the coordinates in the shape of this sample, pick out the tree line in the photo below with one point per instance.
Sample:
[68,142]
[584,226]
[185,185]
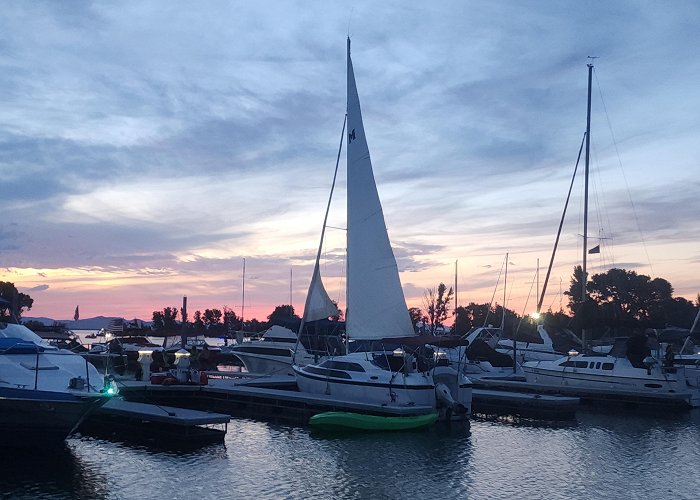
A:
[617,299]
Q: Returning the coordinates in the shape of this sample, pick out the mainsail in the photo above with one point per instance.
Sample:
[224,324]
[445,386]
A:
[376,306]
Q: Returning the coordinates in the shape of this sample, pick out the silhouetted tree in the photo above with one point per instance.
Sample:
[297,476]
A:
[462,323]
[436,302]
[197,322]
[417,316]
[281,315]
[574,291]
[20,301]
[211,318]
[253,325]
[231,321]
[165,319]
[339,316]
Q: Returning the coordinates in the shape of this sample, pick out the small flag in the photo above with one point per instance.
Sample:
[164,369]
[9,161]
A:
[77,314]
[595,249]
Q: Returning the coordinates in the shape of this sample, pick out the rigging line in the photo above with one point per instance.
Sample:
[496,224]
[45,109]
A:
[604,211]
[561,223]
[321,243]
[527,300]
[619,161]
[488,311]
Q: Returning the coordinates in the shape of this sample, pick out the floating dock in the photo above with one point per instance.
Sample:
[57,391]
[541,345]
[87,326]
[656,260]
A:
[255,399]
[162,425]
[276,397]
[517,404]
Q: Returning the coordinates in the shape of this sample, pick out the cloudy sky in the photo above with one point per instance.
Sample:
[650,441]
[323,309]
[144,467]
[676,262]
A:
[148,147]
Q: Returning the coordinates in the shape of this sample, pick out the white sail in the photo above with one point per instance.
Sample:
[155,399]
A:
[376,306]
[318,303]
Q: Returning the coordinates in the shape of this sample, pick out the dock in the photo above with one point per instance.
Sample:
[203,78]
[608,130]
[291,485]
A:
[236,397]
[523,405]
[162,425]
[276,398]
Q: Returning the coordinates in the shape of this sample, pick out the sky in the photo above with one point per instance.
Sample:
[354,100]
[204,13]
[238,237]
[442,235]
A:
[148,148]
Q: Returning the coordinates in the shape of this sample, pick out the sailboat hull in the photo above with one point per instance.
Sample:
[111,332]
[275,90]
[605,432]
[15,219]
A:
[411,389]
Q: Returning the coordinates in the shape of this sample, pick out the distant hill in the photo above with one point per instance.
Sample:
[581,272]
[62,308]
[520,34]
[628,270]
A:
[82,324]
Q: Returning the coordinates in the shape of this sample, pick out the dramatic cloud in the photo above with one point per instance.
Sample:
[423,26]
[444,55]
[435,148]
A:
[147,148]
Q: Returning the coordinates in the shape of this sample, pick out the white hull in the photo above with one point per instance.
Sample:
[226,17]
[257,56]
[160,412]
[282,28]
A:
[356,378]
[274,354]
[622,380]
[266,364]
[404,390]
[45,392]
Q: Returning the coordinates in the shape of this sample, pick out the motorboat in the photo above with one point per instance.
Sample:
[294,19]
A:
[118,354]
[628,373]
[475,355]
[552,343]
[45,392]
[273,353]
[392,369]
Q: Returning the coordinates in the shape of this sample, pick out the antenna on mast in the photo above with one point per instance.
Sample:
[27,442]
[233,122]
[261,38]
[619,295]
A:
[349,21]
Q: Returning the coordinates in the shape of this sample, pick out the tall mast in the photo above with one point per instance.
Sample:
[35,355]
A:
[243,298]
[537,290]
[584,276]
[456,303]
[505,290]
[347,235]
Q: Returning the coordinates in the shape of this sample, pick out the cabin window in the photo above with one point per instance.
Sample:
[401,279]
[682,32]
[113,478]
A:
[567,363]
[608,366]
[343,365]
[581,364]
[597,365]
[591,364]
[326,373]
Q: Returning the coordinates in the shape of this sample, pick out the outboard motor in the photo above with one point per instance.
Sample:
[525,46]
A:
[453,393]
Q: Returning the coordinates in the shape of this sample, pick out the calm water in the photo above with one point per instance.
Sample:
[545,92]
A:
[598,456]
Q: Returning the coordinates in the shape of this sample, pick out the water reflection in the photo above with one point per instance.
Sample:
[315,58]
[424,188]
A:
[600,455]
[50,473]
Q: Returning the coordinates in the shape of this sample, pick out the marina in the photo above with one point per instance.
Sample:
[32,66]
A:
[368,250]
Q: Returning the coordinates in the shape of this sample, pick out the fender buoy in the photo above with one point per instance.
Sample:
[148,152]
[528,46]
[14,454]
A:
[203,378]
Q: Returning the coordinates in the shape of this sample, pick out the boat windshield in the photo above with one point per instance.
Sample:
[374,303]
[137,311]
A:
[11,330]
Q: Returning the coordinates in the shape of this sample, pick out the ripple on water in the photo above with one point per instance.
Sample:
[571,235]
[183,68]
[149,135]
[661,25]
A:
[598,456]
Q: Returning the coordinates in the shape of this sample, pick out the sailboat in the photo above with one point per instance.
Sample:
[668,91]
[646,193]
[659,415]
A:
[391,372]
[630,372]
